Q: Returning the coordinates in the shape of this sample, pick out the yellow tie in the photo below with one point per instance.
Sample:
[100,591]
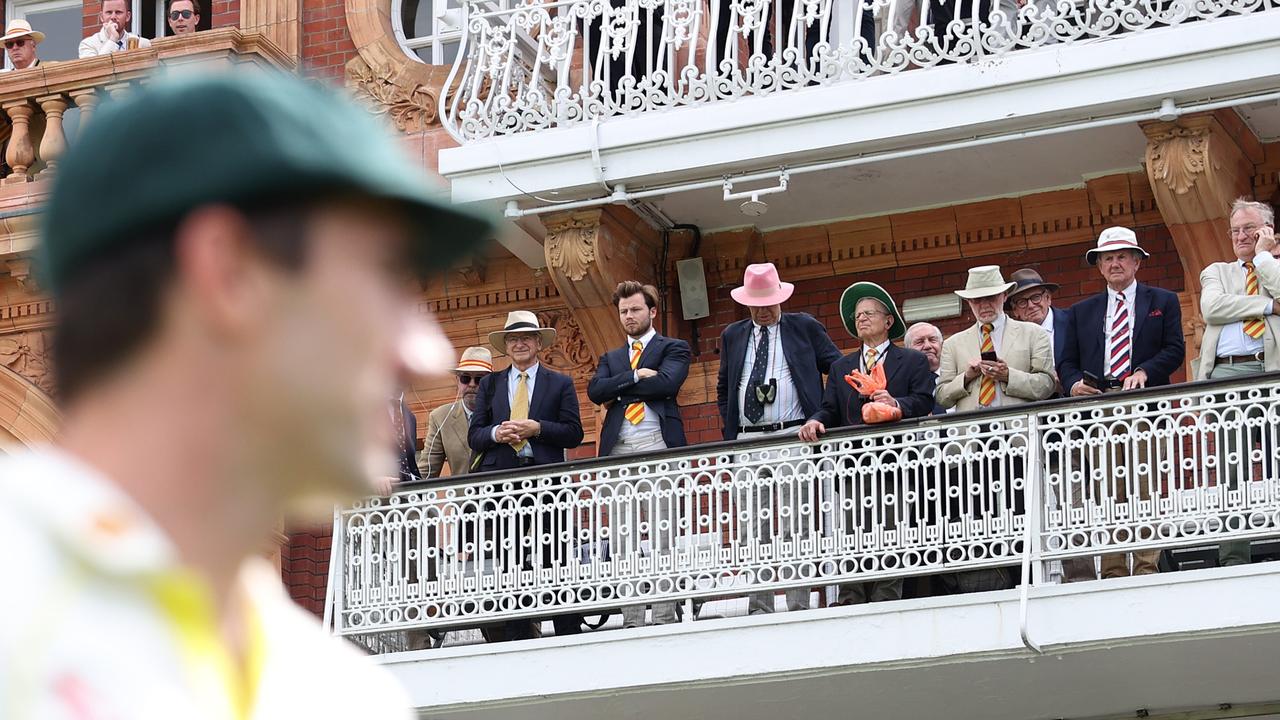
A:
[871,359]
[520,405]
[635,411]
[987,390]
[1253,327]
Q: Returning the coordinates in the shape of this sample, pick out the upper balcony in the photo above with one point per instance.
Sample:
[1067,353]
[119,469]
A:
[1007,494]
[891,104]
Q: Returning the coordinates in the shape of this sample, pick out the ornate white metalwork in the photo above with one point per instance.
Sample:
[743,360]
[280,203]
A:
[545,64]
[1186,465]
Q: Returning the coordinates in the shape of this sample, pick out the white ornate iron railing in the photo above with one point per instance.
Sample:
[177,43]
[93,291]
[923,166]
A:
[535,64]
[1161,468]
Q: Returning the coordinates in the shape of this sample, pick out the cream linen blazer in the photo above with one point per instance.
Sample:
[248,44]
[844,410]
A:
[1024,346]
[1223,301]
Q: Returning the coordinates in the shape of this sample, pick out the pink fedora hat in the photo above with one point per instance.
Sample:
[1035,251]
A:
[761,287]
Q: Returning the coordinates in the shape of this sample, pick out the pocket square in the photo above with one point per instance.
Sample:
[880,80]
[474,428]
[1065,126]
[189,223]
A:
[1156,313]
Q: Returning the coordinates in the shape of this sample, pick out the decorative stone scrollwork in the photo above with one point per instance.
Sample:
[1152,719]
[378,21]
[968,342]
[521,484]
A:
[412,107]
[1178,157]
[571,246]
[570,353]
[28,355]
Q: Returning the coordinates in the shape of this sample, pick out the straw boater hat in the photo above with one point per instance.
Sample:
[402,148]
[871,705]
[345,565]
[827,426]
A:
[21,28]
[984,281]
[858,291]
[474,360]
[520,321]
[1115,238]
[761,287]
[1028,279]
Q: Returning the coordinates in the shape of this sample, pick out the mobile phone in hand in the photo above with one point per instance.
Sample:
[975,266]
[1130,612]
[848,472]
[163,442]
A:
[1092,380]
[990,356]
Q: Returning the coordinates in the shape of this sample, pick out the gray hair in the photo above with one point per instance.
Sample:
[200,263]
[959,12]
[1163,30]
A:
[1264,210]
[921,327]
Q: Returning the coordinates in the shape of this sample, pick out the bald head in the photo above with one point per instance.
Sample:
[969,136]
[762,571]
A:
[927,339]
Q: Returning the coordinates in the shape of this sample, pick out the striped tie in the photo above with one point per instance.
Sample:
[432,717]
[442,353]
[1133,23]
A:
[1253,327]
[987,390]
[870,359]
[635,411]
[520,406]
[1118,340]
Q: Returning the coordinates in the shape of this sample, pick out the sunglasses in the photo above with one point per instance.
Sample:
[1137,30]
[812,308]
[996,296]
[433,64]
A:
[11,44]
[184,14]
[470,379]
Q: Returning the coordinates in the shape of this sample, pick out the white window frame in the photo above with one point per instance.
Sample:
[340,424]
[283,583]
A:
[446,27]
[18,9]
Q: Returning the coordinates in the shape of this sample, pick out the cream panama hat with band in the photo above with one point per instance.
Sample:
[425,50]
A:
[1115,238]
[984,281]
[475,360]
[21,28]
[520,321]
[761,287]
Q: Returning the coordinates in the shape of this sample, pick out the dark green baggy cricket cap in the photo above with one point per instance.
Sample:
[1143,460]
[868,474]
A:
[246,138]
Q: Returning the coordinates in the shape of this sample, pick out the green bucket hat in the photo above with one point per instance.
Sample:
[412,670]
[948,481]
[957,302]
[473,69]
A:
[249,139]
[859,290]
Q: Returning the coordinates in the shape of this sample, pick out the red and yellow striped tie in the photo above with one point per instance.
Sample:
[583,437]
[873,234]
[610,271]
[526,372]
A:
[1253,327]
[987,390]
[635,411]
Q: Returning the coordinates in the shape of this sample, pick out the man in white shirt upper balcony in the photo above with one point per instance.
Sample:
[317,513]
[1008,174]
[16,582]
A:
[114,35]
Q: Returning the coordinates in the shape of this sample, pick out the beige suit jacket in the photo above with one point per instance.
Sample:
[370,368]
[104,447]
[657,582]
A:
[1223,301]
[1024,346]
[446,439]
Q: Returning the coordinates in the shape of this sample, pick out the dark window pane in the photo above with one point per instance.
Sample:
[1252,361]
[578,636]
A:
[62,30]
[416,17]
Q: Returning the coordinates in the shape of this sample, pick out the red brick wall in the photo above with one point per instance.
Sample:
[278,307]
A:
[226,13]
[326,44]
[90,16]
[304,567]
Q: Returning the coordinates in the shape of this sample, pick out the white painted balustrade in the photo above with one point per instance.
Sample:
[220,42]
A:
[531,64]
[1170,467]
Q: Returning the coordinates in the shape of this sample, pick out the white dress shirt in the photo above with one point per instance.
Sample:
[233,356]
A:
[786,405]
[649,424]
[1047,324]
[513,380]
[1232,340]
[881,349]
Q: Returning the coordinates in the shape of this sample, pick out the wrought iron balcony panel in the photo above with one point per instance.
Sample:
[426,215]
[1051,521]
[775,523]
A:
[531,65]
[1162,468]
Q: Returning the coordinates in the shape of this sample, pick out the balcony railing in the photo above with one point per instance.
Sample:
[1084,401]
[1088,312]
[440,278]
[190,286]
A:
[529,65]
[1163,468]
[37,101]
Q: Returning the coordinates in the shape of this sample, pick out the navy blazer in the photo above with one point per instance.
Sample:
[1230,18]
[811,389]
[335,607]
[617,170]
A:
[1158,345]
[554,405]
[809,353]
[907,376]
[614,382]
[1061,318]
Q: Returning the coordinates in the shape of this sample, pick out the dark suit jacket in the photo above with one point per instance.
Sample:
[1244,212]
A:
[554,405]
[809,353]
[1158,346]
[614,381]
[1061,318]
[409,455]
[909,380]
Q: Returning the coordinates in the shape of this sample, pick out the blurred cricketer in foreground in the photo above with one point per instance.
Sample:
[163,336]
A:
[232,319]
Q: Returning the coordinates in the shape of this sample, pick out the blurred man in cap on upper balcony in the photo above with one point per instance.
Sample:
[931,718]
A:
[230,328]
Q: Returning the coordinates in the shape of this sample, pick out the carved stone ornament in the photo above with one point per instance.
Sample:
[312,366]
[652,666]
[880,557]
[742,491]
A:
[28,355]
[570,353]
[1178,157]
[571,247]
[411,107]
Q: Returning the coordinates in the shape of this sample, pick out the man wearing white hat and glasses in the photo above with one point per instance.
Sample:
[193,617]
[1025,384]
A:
[1125,338]
[526,415]
[447,425]
[20,44]
[770,381]
[996,362]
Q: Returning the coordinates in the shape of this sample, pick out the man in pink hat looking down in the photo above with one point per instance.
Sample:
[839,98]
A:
[770,381]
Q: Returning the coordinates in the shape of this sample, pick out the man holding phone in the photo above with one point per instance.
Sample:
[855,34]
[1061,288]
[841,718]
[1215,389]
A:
[1124,338]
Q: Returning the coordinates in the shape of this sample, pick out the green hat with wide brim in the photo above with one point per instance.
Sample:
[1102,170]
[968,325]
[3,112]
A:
[246,139]
[859,290]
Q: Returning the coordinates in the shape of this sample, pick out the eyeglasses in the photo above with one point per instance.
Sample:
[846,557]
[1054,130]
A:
[1025,300]
[184,14]
[521,338]
[1244,231]
[11,44]
[470,379]
[868,314]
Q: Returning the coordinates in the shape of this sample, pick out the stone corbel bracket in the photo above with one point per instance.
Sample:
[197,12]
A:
[384,76]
